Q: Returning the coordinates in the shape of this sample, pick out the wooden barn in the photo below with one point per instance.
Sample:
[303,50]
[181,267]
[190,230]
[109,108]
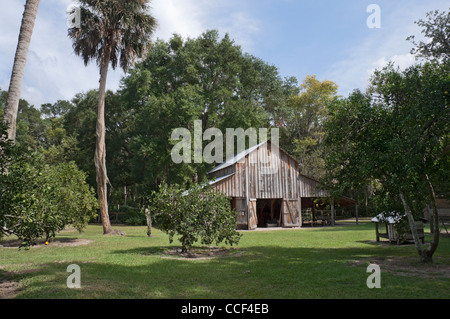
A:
[266,188]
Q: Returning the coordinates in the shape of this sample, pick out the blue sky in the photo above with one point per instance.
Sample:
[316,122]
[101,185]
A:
[327,38]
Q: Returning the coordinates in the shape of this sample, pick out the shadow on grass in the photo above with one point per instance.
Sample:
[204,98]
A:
[58,241]
[343,227]
[262,272]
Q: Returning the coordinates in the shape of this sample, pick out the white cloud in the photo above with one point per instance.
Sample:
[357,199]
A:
[54,72]
[190,18]
[373,53]
[402,61]
[380,46]
[242,27]
[178,16]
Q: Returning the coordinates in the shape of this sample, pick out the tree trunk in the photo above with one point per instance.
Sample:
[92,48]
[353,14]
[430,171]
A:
[20,60]
[100,150]
[333,213]
[424,252]
[149,222]
[435,224]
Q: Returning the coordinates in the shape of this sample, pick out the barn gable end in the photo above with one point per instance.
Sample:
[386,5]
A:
[265,186]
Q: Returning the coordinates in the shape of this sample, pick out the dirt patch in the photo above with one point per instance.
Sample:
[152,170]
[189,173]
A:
[407,266]
[196,253]
[57,242]
[9,287]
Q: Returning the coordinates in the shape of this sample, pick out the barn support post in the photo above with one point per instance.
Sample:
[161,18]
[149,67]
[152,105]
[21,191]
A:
[272,202]
[377,232]
[332,213]
[247,197]
[313,212]
[300,218]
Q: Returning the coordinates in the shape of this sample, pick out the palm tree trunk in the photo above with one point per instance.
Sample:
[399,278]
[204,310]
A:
[20,60]
[100,150]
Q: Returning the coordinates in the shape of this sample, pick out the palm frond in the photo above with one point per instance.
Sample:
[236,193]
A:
[124,26]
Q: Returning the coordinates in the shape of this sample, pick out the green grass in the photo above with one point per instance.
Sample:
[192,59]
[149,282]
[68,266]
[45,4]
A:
[301,263]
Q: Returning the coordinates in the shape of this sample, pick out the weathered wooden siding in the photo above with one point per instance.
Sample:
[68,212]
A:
[240,204]
[265,173]
[252,219]
[269,174]
[310,188]
[443,207]
[291,212]
[226,186]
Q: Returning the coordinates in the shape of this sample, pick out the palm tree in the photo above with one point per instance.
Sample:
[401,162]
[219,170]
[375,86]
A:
[111,32]
[20,60]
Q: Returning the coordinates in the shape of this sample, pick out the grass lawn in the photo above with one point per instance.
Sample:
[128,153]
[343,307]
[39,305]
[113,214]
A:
[279,264]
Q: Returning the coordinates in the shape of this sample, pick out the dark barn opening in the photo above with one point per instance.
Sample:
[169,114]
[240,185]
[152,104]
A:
[269,212]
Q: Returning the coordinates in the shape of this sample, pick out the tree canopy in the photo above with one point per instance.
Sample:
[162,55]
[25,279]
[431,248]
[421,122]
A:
[38,199]
[207,78]
[395,136]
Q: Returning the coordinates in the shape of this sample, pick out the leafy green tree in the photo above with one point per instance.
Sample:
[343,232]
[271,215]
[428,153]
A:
[79,122]
[3,97]
[207,78]
[112,32]
[437,30]
[57,146]
[151,143]
[38,199]
[57,109]
[302,131]
[396,136]
[197,215]
[30,127]
[79,125]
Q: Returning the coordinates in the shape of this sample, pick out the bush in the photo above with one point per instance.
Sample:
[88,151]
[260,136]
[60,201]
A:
[39,200]
[135,218]
[200,214]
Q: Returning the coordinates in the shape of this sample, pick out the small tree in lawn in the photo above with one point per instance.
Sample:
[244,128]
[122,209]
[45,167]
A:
[197,215]
[37,199]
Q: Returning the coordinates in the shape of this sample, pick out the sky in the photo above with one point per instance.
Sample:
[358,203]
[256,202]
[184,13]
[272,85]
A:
[330,39]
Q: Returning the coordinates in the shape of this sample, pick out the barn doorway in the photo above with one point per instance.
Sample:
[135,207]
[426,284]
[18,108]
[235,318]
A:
[269,212]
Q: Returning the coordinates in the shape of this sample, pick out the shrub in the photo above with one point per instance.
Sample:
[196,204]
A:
[135,218]
[39,200]
[200,214]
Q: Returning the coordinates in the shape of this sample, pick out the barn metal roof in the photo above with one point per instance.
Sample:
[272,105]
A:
[220,179]
[388,217]
[233,160]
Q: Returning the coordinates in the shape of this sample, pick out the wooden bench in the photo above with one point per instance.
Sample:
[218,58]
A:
[315,222]
[307,222]
[393,235]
